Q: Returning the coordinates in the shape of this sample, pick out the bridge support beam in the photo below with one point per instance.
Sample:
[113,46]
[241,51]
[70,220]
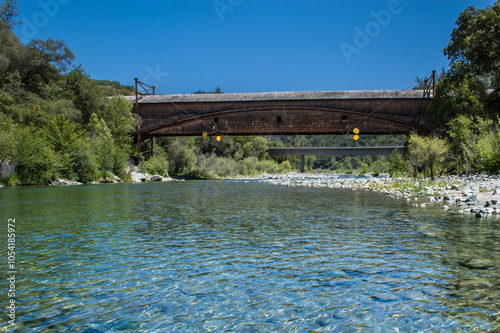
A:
[302,162]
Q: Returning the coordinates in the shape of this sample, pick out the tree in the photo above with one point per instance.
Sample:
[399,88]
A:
[41,62]
[216,91]
[396,164]
[85,94]
[119,119]
[36,161]
[64,138]
[475,42]
[156,165]
[7,143]
[10,53]
[9,9]
[102,143]
[474,51]
[475,143]
[453,98]
[181,156]
[426,152]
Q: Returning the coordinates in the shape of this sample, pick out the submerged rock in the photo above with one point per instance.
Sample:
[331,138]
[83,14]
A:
[477,263]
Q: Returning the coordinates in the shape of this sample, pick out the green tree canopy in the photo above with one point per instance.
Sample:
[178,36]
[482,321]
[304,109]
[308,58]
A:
[475,42]
[9,10]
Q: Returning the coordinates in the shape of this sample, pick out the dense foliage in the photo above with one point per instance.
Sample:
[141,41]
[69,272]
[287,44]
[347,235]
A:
[467,103]
[55,121]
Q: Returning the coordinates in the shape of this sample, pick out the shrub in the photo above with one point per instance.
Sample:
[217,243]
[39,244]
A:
[397,165]
[426,153]
[156,165]
[475,143]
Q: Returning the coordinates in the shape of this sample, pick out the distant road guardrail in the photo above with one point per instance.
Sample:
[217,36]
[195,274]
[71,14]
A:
[330,151]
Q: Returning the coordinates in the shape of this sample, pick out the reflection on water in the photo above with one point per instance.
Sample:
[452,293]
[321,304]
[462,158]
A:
[247,257]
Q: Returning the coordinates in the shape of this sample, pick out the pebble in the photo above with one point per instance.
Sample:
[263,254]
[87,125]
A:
[468,191]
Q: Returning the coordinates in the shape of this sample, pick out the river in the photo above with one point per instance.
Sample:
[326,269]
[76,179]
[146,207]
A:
[235,256]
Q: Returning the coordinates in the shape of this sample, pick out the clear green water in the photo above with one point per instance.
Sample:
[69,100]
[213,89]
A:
[227,256]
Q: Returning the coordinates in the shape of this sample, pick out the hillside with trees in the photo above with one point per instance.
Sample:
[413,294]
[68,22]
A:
[57,122]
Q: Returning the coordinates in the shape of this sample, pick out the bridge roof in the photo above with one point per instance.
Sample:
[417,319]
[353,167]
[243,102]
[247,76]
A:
[268,96]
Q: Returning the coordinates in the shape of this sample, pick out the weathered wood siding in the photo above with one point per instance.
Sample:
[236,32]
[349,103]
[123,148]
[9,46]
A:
[191,115]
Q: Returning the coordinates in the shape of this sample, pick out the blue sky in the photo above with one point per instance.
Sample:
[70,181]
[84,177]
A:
[251,45]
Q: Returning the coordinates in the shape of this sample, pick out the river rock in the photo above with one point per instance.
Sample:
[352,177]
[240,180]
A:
[55,182]
[158,178]
[137,177]
[106,180]
[471,198]
[496,192]
[63,182]
[468,193]
[477,263]
[478,210]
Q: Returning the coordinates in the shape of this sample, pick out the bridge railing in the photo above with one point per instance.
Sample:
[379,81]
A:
[330,151]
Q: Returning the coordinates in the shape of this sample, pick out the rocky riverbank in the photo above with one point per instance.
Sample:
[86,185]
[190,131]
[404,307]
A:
[475,194]
[135,177]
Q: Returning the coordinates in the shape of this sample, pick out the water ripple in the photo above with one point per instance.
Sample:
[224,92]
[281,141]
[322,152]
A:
[228,256]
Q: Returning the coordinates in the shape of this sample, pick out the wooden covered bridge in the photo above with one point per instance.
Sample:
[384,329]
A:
[281,113]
